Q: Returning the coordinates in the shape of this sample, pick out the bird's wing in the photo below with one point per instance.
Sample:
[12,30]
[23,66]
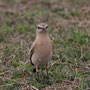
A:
[31,52]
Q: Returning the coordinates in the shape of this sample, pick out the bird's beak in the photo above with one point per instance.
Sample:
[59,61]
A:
[44,29]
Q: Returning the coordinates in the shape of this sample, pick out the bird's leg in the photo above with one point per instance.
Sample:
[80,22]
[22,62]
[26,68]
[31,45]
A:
[48,81]
[47,72]
[37,73]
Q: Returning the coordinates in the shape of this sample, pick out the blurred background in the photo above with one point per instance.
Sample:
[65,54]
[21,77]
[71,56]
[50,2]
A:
[69,28]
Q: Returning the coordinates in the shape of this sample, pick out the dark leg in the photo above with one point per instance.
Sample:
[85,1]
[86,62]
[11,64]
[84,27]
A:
[47,75]
[37,73]
[47,72]
[48,81]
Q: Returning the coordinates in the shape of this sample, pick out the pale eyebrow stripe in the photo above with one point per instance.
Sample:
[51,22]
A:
[39,26]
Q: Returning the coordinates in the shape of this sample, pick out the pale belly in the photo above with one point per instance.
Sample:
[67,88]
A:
[42,56]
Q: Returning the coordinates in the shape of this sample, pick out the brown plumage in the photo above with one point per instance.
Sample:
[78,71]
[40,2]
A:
[42,47]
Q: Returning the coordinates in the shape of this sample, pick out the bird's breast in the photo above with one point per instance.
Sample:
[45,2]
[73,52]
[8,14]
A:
[43,53]
[44,47]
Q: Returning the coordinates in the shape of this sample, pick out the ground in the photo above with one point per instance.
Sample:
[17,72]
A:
[69,28]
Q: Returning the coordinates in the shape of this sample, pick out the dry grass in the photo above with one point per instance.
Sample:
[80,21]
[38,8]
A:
[69,28]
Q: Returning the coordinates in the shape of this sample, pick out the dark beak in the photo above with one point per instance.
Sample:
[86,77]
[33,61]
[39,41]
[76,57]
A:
[44,29]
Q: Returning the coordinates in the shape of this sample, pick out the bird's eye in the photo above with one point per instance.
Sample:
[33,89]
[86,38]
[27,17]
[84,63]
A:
[39,27]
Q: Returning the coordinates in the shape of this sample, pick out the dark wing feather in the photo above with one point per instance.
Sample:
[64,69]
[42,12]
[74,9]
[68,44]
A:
[32,51]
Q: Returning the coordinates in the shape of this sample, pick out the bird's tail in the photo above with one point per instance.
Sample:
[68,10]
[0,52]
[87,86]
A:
[34,70]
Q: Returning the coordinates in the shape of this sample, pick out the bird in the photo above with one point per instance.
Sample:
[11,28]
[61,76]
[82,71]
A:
[41,49]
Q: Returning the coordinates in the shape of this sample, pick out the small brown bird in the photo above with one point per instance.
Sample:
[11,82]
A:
[41,49]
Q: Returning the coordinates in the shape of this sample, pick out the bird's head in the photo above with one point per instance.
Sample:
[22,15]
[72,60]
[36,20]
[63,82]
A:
[42,27]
